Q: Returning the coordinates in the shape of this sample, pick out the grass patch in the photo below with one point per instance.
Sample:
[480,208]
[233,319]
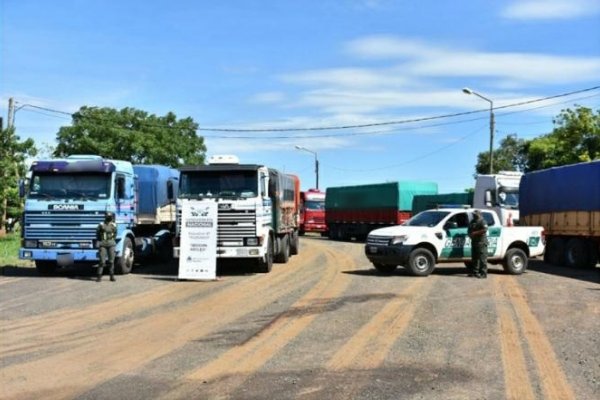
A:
[9,251]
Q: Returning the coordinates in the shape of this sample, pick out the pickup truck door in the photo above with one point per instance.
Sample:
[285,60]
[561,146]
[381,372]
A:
[494,235]
[456,244]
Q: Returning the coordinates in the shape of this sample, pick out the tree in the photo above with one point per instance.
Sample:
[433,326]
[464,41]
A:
[13,153]
[575,138]
[132,135]
[508,157]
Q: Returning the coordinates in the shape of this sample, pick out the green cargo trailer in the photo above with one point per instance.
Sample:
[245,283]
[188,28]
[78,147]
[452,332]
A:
[353,211]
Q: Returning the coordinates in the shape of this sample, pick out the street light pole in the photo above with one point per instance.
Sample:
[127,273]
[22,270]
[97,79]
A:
[316,162]
[469,91]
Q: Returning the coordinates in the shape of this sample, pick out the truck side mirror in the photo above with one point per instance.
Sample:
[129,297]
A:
[488,198]
[451,225]
[21,188]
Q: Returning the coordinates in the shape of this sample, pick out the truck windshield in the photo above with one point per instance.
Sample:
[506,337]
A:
[237,184]
[508,197]
[427,218]
[314,205]
[70,186]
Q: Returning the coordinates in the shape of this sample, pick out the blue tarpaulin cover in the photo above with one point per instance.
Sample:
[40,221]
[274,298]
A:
[152,184]
[573,187]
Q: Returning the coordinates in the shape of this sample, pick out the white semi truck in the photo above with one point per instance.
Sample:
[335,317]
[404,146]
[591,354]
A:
[257,209]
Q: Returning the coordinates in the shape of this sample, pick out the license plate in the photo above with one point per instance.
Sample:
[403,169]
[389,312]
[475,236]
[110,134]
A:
[372,249]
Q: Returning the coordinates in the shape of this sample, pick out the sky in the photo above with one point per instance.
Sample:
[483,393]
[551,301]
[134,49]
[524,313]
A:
[280,70]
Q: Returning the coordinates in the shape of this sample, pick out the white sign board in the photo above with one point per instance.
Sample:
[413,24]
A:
[198,244]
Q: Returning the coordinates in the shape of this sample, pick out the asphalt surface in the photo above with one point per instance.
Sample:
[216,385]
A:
[323,326]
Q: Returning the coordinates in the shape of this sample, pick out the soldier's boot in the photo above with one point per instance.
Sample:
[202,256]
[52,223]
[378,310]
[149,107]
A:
[112,278]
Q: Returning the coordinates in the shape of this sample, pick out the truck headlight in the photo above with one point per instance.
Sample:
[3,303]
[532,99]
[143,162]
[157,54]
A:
[31,243]
[252,241]
[398,240]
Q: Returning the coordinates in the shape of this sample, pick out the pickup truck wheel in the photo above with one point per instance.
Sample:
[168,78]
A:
[515,261]
[421,262]
[45,267]
[555,252]
[266,265]
[295,243]
[124,264]
[385,269]
[576,255]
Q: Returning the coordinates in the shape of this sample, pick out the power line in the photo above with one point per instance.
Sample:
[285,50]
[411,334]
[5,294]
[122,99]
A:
[345,127]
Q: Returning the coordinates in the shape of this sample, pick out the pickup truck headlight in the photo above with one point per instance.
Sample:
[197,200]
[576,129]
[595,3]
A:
[398,240]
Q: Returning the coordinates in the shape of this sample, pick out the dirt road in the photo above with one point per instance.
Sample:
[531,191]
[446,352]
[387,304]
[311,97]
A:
[323,326]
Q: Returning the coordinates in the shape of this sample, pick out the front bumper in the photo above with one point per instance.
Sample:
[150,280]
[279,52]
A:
[62,256]
[389,255]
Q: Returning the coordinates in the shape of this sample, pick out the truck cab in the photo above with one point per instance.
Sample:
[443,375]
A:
[312,212]
[499,192]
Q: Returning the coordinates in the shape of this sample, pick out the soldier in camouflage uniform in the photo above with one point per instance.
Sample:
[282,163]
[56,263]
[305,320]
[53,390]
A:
[106,233]
[479,245]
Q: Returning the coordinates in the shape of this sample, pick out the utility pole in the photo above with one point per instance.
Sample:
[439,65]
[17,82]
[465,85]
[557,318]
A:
[11,113]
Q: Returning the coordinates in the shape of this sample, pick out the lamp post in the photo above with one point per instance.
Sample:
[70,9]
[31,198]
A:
[469,91]
[316,162]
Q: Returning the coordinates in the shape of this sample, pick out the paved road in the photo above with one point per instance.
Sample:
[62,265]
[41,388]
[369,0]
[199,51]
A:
[323,326]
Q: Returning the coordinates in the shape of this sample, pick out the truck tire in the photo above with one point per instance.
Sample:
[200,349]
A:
[515,261]
[124,264]
[593,254]
[576,255]
[295,243]
[301,232]
[420,262]
[555,251]
[385,269]
[284,250]
[45,267]
[266,265]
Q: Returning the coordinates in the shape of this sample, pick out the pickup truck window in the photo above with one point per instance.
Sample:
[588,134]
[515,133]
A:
[461,219]
[489,218]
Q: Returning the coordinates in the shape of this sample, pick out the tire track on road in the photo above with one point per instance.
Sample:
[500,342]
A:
[554,383]
[112,350]
[237,364]
[516,377]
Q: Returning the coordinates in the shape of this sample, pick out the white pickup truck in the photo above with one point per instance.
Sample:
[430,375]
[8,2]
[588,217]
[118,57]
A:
[440,235]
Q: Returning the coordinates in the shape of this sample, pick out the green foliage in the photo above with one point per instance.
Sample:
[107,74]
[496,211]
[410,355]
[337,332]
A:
[13,153]
[9,251]
[575,138]
[132,135]
[508,157]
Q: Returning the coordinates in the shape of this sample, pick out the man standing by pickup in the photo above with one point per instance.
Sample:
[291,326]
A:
[106,233]
[479,245]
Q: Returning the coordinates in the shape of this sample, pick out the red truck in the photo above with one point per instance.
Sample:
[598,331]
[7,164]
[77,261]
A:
[312,212]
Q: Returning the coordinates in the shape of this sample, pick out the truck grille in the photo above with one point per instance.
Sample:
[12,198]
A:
[233,225]
[378,240]
[62,225]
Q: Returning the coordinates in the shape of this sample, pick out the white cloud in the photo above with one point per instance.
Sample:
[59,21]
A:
[346,77]
[268,98]
[551,9]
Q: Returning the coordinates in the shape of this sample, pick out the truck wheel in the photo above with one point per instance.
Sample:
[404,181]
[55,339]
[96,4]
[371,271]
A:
[593,254]
[301,232]
[576,255]
[284,250]
[421,262]
[555,252]
[266,265]
[515,261]
[45,267]
[124,264]
[295,243]
[385,269]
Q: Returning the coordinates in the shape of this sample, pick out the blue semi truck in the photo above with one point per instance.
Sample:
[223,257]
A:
[67,198]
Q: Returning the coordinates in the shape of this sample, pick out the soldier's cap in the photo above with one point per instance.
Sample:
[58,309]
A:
[110,214]
[477,212]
